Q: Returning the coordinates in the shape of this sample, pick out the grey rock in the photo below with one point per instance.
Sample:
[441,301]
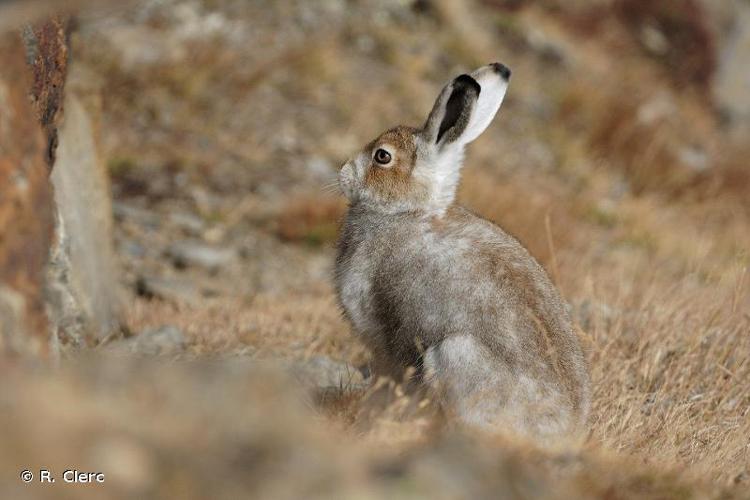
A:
[140,216]
[170,289]
[132,249]
[732,81]
[196,254]
[65,311]
[553,49]
[694,158]
[83,266]
[161,341]
[191,224]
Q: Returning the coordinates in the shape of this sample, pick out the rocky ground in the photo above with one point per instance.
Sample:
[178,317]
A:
[614,159]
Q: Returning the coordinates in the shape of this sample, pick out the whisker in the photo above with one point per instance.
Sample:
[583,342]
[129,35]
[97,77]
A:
[331,188]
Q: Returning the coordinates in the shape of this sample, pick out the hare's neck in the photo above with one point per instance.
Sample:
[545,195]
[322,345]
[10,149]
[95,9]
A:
[377,214]
[380,210]
[441,174]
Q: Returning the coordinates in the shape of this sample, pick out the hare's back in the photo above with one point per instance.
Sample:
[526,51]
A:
[462,275]
[465,265]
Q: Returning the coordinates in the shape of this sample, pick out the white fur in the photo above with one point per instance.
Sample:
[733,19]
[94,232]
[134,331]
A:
[474,387]
[440,164]
[441,171]
[491,97]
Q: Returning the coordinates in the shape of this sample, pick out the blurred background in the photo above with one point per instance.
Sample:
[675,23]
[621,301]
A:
[197,350]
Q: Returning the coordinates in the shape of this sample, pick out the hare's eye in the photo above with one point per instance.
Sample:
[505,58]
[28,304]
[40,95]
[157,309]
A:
[382,156]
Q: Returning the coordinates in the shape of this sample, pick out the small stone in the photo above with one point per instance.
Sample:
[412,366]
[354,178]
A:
[694,158]
[191,224]
[732,77]
[161,341]
[654,40]
[196,254]
[140,216]
[131,249]
[171,289]
[552,49]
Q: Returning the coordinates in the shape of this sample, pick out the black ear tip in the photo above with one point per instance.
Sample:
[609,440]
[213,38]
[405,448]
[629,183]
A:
[501,69]
[467,82]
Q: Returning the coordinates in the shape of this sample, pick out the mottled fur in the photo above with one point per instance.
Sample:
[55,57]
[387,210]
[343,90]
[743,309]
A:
[427,284]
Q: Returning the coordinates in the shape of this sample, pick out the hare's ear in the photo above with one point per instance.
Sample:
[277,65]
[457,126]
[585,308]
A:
[451,113]
[466,106]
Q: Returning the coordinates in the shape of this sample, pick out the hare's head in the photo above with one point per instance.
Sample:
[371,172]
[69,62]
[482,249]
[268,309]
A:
[408,168]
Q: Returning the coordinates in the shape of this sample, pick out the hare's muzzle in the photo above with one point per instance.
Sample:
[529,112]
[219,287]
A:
[347,179]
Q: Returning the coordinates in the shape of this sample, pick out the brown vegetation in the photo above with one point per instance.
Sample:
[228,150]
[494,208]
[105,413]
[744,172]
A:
[600,186]
[677,34]
[617,177]
[25,210]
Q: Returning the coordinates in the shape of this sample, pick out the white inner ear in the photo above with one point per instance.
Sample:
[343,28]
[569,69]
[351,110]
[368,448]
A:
[490,99]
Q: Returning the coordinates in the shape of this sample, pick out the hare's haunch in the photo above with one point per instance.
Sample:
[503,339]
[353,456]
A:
[427,284]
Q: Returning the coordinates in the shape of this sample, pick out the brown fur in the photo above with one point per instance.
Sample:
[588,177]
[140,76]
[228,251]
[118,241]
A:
[394,181]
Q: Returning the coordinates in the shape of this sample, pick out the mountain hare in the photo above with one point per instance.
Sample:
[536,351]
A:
[427,284]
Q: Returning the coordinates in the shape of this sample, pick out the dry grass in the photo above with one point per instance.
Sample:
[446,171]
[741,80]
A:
[524,208]
[295,326]
[651,253]
[667,331]
[671,373]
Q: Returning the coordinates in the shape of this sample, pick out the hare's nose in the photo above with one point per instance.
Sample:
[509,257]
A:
[501,69]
